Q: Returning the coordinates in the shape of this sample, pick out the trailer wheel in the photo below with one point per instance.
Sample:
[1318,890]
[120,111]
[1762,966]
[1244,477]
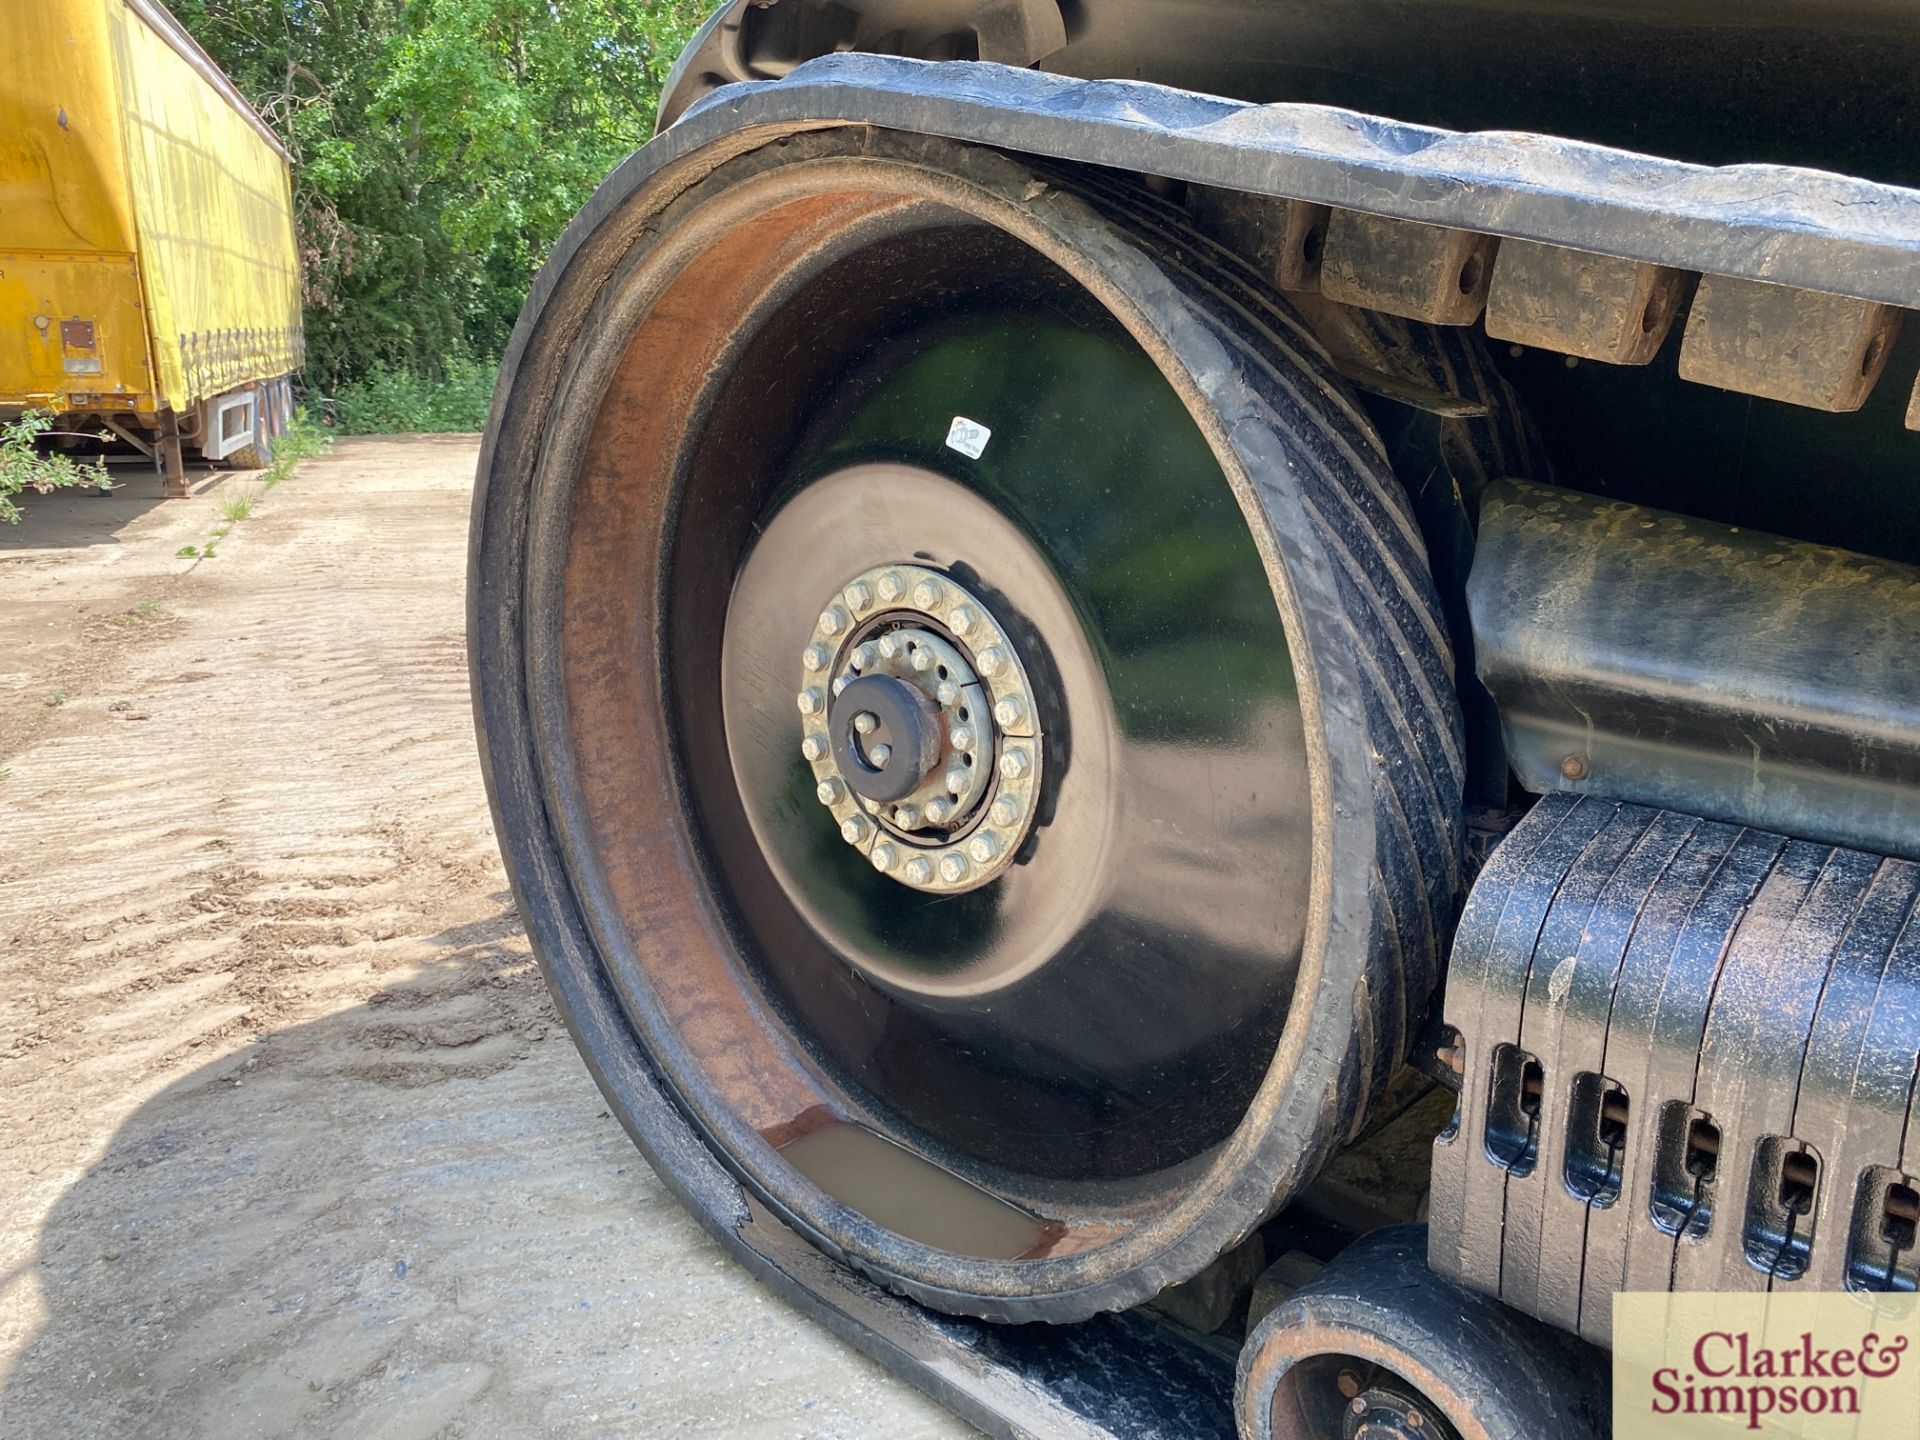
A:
[957,675]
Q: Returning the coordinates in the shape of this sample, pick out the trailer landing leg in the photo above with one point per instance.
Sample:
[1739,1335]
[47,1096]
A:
[167,454]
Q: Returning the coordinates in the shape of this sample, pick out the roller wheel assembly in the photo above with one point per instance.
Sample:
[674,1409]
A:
[958,678]
[1378,1347]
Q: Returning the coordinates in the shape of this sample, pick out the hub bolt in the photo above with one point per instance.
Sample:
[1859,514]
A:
[866,722]
[814,747]
[811,700]
[919,872]
[841,683]
[864,655]
[938,810]
[891,585]
[906,816]
[946,692]
[920,657]
[961,620]
[962,738]
[957,780]
[833,620]
[1014,764]
[815,658]
[926,595]
[859,595]
[1006,810]
[884,857]
[828,791]
[879,755]
[989,661]
[953,867]
[1008,710]
[854,829]
[890,645]
[983,848]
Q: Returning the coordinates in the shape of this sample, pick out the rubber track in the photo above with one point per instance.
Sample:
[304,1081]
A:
[1397,631]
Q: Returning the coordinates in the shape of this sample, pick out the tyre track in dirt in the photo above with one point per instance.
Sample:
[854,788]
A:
[293,1142]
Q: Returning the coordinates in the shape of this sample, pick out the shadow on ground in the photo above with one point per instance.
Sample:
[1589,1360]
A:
[80,519]
[360,1225]
[412,1218]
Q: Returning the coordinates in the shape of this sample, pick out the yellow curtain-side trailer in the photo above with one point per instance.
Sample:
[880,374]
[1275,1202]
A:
[149,281]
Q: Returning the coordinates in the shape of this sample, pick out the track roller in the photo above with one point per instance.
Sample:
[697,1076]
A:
[1378,1347]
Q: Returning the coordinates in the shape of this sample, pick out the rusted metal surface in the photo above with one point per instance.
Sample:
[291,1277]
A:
[1595,306]
[1747,678]
[1805,347]
[1741,1006]
[1404,267]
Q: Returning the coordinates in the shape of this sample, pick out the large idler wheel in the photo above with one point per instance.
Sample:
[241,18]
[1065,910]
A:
[956,672]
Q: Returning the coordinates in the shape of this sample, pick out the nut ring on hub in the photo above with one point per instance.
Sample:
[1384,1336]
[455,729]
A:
[974,805]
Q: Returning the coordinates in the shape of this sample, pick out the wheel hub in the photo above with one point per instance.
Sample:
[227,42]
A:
[918,720]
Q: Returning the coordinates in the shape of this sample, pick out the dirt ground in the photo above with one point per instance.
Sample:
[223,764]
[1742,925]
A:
[291,1141]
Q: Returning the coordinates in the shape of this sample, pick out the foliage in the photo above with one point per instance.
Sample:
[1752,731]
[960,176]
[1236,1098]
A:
[387,402]
[23,467]
[440,147]
[301,440]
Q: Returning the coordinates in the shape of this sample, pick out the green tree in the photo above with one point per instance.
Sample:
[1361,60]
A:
[440,147]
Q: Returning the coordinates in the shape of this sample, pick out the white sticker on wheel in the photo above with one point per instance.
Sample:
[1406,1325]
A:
[969,437]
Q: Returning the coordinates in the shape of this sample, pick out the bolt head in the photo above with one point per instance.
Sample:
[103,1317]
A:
[989,661]
[962,737]
[961,620]
[891,645]
[841,683]
[919,871]
[906,816]
[879,755]
[854,829]
[1015,763]
[938,810]
[946,692]
[859,595]
[957,779]
[1359,1406]
[1009,709]
[866,722]
[829,791]
[864,655]
[884,857]
[815,658]
[1574,767]
[1006,810]
[814,747]
[833,620]
[891,586]
[810,700]
[953,867]
[927,594]
[920,657]
[983,848]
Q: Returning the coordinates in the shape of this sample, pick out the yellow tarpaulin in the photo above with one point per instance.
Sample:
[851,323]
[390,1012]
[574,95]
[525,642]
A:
[146,232]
